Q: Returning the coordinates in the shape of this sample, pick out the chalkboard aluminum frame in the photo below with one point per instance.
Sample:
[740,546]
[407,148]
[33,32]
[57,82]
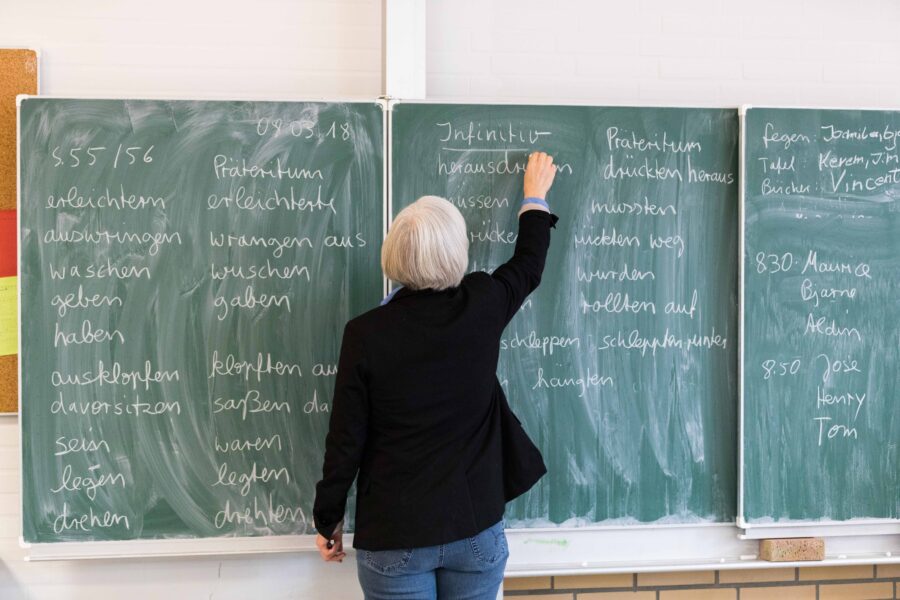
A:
[164,547]
[790,528]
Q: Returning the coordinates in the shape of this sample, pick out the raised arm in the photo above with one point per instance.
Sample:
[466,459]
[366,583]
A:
[521,274]
[343,444]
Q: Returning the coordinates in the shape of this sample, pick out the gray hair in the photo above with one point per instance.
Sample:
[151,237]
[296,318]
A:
[427,245]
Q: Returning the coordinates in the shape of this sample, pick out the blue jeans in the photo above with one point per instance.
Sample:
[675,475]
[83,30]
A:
[467,569]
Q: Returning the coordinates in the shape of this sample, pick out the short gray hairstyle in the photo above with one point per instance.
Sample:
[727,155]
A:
[427,245]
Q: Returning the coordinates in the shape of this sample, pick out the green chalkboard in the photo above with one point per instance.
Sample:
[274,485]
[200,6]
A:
[622,365]
[186,272]
[821,377]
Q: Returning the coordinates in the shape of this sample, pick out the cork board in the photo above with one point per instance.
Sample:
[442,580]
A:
[9,383]
[18,75]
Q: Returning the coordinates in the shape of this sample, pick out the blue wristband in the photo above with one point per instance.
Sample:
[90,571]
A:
[535,200]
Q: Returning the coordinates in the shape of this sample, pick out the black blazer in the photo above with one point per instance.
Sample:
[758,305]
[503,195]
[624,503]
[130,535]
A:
[418,410]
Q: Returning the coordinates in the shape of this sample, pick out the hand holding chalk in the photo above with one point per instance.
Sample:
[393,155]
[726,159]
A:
[539,174]
[332,550]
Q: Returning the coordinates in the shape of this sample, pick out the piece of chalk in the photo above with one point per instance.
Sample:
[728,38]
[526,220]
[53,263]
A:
[792,549]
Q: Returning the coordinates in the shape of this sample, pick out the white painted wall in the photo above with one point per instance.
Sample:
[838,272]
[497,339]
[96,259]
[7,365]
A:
[269,49]
[680,52]
[667,52]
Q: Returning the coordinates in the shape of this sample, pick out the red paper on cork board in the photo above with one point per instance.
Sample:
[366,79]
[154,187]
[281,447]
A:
[7,243]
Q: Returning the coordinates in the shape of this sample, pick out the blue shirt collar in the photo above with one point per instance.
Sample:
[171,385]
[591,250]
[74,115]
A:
[390,296]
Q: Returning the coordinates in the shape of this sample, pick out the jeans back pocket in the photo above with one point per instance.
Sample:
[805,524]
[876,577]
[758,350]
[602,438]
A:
[490,546]
[388,561]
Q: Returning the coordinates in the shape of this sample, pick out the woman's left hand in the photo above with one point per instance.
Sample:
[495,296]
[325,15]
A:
[336,552]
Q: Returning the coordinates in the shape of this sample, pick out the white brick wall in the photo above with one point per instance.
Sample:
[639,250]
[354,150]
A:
[679,52]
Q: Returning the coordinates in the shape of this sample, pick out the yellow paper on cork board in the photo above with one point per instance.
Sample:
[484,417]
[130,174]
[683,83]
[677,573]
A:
[9,329]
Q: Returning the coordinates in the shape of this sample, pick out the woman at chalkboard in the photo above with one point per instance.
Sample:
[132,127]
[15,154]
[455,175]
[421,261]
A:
[419,414]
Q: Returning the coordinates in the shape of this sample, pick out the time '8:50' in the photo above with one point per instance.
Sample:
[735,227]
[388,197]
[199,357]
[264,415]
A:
[780,368]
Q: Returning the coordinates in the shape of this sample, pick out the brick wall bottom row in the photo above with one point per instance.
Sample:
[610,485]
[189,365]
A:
[857,582]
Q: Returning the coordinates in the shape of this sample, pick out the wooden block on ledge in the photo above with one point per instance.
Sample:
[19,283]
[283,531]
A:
[791,549]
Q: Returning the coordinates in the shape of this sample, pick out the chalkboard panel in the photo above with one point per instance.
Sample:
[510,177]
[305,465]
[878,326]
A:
[622,366]
[821,377]
[186,272]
